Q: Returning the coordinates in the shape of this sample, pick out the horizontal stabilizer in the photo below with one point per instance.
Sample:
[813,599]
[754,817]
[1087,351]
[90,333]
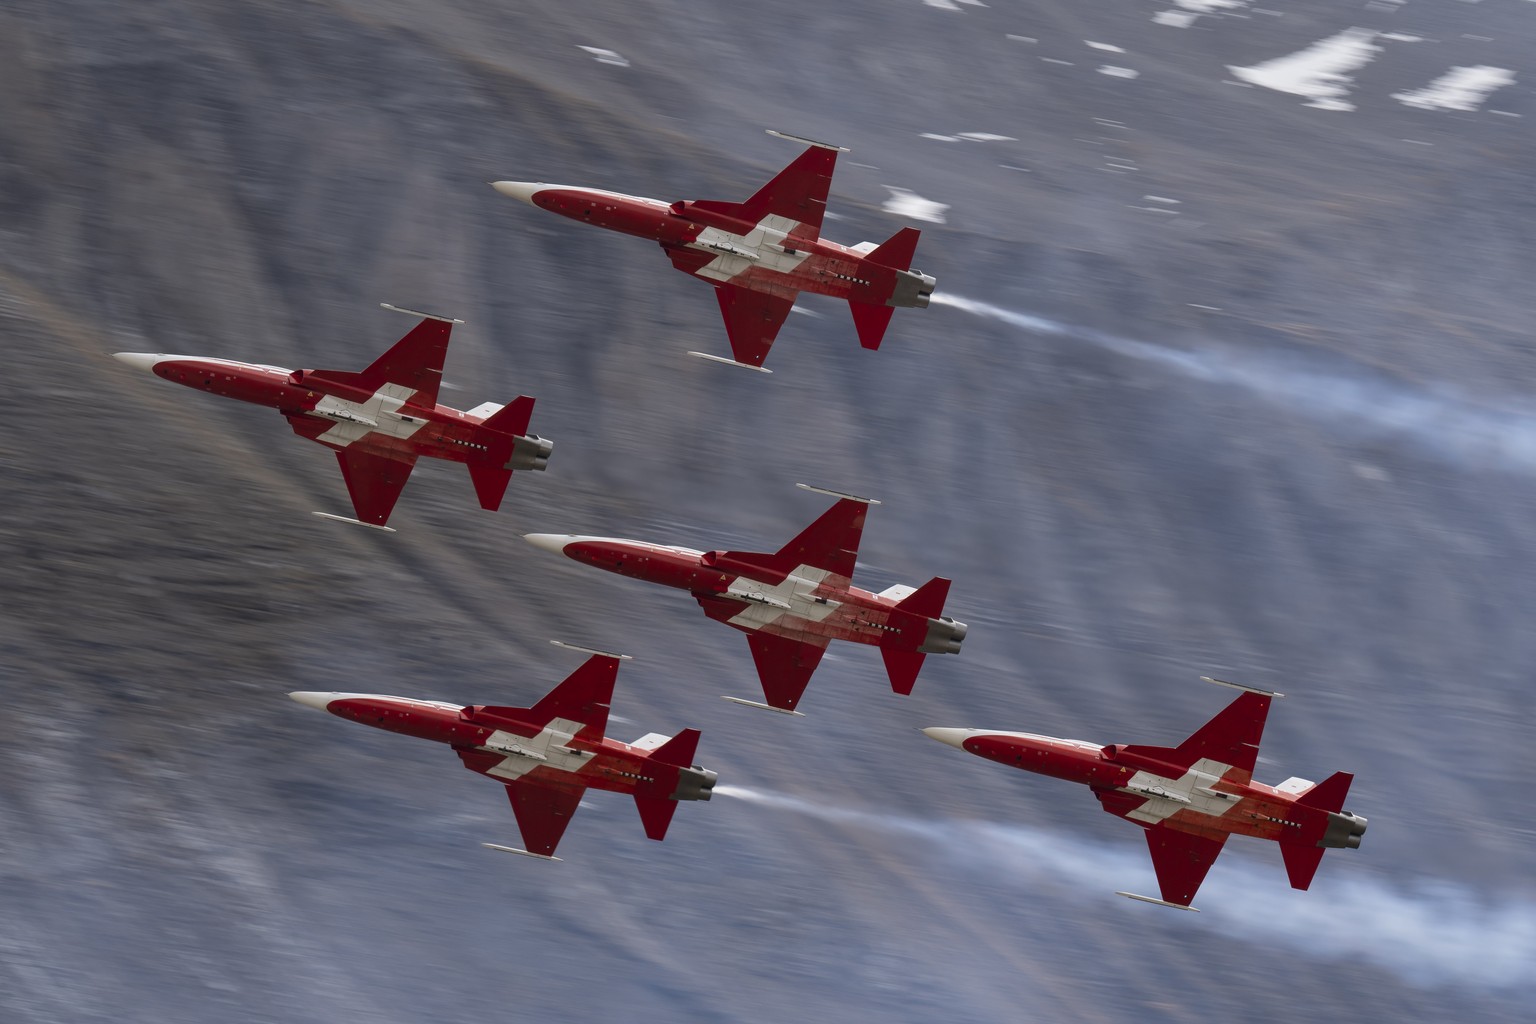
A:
[927,600]
[1301,862]
[679,750]
[1330,794]
[484,411]
[655,815]
[898,592]
[902,667]
[871,322]
[898,251]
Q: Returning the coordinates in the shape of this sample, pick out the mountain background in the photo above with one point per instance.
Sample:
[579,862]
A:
[1217,382]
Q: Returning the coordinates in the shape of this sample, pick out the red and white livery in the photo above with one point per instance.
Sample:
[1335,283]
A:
[793,602]
[548,755]
[1190,798]
[379,421]
[759,254]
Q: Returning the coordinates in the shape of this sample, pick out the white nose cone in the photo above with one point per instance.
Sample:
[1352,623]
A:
[321,700]
[552,542]
[140,360]
[954,737]
[523,190]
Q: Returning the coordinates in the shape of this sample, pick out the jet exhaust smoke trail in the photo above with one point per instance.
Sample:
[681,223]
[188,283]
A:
[1438,421]
[1428,934]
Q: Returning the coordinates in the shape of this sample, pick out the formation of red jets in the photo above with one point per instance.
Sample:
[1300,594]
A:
[791,603]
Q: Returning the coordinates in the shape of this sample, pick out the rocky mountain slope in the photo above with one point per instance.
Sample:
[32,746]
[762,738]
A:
[1222,382]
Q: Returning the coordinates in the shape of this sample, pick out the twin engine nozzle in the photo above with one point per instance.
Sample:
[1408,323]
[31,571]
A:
[531,452]
[945,636]
[1344,831]
[694,784]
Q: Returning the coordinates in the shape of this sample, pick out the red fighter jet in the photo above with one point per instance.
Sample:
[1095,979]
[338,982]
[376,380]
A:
[759,254]
[793,602]
[547,755]
[379,421]
[1190,798]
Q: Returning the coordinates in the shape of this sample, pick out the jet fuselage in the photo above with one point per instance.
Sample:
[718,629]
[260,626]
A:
[766,256]
[804,602]
[341,416]
[507,748]
[1204,799]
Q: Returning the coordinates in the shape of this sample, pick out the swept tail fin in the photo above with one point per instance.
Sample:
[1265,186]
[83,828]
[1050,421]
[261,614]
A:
[656,815]
[902,667]
[926,603]
[679,750]
[508,446]
[1301,862]
[896,252]
[1328,795]
[490,482]
[512,418]
[871,319]
[928,599]
[871,322]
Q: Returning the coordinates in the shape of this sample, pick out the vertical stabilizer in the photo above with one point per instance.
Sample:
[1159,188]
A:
[871,322]
[679,750]
[896,252]
[655,815]
[1301,862]
[902,667]
[1328,795]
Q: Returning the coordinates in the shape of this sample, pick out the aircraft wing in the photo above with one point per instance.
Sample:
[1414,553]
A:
[1181,861]
[784,665]
[543,811]
[374,481]
[831,542]
[752,321]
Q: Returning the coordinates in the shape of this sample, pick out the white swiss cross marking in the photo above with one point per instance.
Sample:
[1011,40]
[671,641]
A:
[1191,791]
[763,246]
[547,749]
[795,596]
[378,414]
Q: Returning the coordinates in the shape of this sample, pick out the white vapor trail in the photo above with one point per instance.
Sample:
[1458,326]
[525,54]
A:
[1432,933]
[1440,422]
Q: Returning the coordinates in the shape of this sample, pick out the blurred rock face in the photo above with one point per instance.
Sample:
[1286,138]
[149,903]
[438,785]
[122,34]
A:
[1217,380]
